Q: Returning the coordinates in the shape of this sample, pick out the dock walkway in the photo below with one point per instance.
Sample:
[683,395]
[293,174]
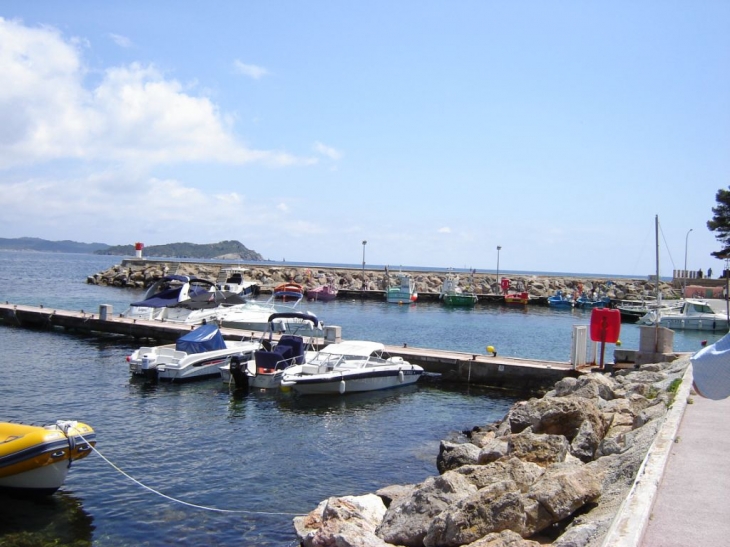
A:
[511,373]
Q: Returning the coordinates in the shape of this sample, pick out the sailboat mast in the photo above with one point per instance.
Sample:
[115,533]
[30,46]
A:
[656,236]
[658,294]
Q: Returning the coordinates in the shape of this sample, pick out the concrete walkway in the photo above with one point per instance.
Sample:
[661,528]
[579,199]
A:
[692,505]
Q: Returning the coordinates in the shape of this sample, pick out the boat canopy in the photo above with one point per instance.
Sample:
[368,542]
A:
[355,348]
[304,316]
[204,338]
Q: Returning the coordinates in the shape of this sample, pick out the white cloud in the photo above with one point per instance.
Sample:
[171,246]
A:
[283,207]
[121,41]
[135,114]
[444,230]
[252,71]
[327,151]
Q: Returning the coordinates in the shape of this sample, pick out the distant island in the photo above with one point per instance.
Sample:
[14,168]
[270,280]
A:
[224,250]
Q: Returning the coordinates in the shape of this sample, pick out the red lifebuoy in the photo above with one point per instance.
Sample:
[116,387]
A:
[505,283]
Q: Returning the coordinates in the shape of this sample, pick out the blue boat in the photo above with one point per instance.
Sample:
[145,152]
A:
[586,302]
[559,300]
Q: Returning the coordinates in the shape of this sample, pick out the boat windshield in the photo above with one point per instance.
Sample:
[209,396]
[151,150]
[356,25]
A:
[703,308]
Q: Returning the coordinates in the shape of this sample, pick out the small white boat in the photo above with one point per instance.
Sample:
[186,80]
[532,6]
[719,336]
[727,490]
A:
[691,315]
[35,460]
[405,292]
[194,356]
[232,282]
[266,368]
[350,367]
[633,310]
[254,316]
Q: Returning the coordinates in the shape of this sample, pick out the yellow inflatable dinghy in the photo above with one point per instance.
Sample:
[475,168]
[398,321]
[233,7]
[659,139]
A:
[35,460]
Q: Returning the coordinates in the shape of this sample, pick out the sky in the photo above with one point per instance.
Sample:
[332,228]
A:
[438,132]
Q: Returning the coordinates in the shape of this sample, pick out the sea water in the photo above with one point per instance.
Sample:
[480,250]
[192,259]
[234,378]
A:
[198,464]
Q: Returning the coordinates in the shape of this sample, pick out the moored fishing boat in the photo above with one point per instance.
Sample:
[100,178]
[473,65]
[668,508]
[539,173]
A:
[289,291]
[323,293]
[453,295]
[519,298]
[35,460]
[559,300]
[405,292]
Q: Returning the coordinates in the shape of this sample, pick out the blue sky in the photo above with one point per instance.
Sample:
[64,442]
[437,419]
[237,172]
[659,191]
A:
[436,131]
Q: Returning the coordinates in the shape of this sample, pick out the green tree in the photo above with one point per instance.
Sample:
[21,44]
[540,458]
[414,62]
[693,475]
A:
[720,223]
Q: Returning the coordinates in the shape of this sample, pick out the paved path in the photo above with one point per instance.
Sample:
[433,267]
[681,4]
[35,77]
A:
[692,504]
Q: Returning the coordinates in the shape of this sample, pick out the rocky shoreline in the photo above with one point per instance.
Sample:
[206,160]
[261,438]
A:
[555,471]
[141,273]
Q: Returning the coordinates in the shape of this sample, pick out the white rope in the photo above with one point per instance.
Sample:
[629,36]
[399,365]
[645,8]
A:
[196,506]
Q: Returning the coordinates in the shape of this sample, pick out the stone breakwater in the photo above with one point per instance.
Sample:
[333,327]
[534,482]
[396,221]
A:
[554,471]
[139,273]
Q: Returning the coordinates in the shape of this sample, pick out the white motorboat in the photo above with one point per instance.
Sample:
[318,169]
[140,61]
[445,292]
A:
[182,299]
[266,368]
[231,282]
[196,355]
[633,310]
[350,367]
[691,315]
[254,316]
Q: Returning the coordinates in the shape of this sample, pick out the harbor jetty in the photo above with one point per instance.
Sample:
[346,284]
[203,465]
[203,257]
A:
[354,282]
[510,373]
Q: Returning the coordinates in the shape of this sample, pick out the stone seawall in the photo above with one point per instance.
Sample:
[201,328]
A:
[555,471]
[141,273]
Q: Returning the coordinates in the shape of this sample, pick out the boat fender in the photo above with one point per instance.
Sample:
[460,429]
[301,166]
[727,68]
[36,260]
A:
[401,376]
[342,387]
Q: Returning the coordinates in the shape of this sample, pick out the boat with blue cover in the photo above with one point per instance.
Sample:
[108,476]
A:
[195,355]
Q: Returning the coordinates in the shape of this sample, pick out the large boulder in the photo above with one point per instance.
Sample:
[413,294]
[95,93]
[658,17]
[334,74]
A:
[348,521]
[408,519]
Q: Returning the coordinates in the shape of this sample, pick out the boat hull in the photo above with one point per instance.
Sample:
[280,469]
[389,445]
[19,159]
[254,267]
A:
[34,461]
[694,323]
[401,297]
[339,384]
[462,300]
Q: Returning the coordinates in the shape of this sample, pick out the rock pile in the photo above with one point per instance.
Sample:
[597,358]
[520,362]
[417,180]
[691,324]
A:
[141,274]
[554,471]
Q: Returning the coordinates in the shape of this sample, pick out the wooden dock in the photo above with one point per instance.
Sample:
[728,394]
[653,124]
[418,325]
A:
[526,375]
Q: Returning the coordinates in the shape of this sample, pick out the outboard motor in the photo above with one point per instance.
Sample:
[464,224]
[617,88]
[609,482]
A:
[238,372]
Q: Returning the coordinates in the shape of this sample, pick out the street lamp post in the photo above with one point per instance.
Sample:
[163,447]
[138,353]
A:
[499,248]
[686,240]
[364,242]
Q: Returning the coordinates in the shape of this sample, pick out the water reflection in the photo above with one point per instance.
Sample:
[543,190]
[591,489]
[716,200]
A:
[59,519]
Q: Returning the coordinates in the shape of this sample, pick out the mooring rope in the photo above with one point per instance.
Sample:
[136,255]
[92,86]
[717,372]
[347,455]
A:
[182,502]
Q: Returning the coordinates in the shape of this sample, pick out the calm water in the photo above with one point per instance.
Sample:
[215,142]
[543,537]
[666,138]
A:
[258,458]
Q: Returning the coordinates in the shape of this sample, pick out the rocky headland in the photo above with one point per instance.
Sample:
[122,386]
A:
[139,273]
[554,471]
